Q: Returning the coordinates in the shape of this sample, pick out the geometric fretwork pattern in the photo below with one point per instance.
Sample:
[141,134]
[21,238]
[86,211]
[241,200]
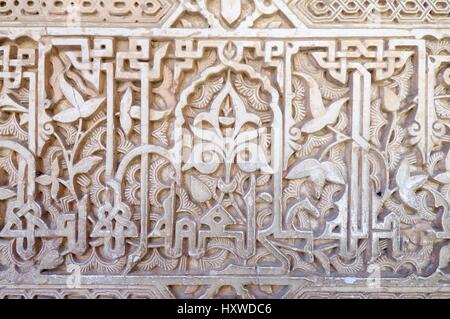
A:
[209,149]
[393,12]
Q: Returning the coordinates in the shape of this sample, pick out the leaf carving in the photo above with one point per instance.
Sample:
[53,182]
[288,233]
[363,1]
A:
[8,104]
[80,108]
[44,180]
[315,96]
[329,117]
[318,173]
[267,197]
[252,92]
[408,185]
[125,105]
[391,101]
[6,193]
[324,261]
[297,100]
[206,92]
[377,122]
[199,190]
[86,164]
[444,178]
[156,115]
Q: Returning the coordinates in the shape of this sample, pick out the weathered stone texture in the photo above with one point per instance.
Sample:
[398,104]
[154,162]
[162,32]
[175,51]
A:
[203,149]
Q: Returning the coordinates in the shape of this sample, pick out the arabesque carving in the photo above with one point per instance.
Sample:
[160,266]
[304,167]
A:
[242,140]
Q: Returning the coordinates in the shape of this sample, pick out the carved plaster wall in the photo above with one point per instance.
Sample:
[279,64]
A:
[217,148]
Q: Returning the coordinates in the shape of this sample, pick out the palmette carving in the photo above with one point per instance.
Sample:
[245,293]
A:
[165,160]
